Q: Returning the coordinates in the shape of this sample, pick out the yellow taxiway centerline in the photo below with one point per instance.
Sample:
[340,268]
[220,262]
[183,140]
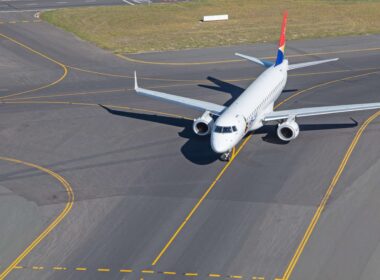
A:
[65,71]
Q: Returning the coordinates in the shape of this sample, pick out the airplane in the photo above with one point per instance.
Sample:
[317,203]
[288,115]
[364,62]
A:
[254,108]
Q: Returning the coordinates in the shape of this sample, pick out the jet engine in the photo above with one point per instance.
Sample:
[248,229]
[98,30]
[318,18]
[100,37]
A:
[202,126]
[288,130]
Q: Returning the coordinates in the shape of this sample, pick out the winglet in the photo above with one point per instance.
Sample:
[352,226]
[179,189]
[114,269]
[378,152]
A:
[136,85]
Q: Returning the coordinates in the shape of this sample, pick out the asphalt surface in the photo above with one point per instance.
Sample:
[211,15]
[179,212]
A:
[137,173]
[25,5]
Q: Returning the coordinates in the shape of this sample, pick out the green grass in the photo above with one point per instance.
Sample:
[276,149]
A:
[143,28]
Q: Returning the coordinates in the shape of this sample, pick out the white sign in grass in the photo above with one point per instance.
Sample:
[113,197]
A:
[215,18]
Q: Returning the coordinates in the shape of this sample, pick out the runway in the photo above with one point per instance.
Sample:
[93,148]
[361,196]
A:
[150,199]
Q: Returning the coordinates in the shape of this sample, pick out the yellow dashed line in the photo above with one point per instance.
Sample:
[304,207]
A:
[214,275]
[169,273]
[37,267]
[104,269]
[59,268]
[191,274]
[236,276]
[147,271]
[126,270]
[81,268]
[19,267]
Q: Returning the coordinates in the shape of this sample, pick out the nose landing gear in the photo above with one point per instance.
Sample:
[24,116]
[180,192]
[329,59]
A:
[227,156]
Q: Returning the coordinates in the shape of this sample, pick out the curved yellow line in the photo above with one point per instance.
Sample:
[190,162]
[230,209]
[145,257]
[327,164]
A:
[135,60]
[56,221]
[63,76]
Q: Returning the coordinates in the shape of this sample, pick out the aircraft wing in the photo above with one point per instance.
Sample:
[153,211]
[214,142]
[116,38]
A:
[215,109]
[307,64]
[316,111]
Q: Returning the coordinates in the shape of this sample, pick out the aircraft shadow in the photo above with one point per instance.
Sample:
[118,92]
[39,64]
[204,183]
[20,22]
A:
[197,149]
[225,87]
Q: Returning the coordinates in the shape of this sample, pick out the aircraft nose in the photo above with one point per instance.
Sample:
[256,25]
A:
[218,145]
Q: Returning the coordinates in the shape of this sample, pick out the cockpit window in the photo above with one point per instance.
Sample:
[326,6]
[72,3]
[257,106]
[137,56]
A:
[225,129]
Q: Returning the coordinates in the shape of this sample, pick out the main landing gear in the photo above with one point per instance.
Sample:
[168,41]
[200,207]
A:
[227,156]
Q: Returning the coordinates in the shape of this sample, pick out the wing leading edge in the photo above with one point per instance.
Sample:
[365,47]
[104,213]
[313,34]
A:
[184,101]
[316,111]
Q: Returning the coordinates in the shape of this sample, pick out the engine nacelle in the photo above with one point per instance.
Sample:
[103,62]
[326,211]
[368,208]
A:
[202,126]
[288,130]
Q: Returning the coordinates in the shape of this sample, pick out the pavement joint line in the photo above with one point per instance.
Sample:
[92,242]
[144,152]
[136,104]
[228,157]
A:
[57,220]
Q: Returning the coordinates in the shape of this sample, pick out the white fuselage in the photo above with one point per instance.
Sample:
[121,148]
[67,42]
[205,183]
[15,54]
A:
[245,113]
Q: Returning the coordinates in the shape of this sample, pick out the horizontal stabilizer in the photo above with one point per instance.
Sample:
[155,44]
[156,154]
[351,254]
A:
[307,64]
[255,60]
[318,111]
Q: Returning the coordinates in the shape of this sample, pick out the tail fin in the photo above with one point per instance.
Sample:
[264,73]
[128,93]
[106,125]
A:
[281,45]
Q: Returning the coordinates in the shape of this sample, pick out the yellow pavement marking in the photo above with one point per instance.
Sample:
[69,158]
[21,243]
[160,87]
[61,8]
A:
[188,274]
[81,268]
[56,221]
[226,166]
[18,267]
[97,105]
[59,268]
[326,197]
[191,274]
[103,269]
[107,91]
[63,76]
[188,217]
[135,60]
[126,270]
